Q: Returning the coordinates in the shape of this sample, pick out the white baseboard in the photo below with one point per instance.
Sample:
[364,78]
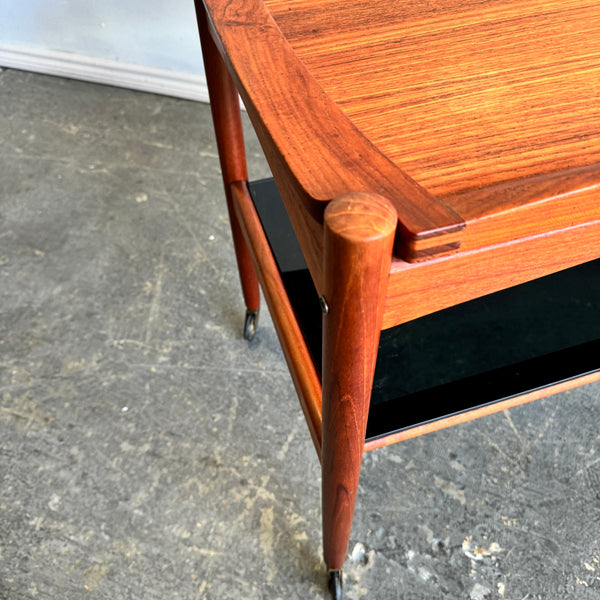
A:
[110,72]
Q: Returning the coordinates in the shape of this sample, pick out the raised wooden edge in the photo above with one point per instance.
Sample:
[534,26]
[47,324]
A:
[318,145]
[482,411]
[531,206]
[304,375]
[418,289]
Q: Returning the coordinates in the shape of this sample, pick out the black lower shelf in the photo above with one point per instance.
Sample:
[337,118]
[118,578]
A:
[490,349]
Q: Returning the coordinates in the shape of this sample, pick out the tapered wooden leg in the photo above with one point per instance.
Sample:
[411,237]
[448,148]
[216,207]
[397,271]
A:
[227,122]
[359,234]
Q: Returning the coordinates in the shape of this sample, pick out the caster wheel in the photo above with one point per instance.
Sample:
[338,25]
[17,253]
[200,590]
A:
[250,324]
[335,584]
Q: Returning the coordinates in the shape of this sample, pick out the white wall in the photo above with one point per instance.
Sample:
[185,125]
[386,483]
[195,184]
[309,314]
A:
[145,44]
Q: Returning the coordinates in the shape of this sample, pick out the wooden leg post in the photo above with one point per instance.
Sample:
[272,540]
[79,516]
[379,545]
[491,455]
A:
[227,122]
[359,234]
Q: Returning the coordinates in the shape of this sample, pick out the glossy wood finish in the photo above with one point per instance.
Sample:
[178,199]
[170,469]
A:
[302,140]
[359,234]
[477,135]
[230,142]
[417,289]
[461,94]
[464,95]
[306,380]
[534,206]
[471,128]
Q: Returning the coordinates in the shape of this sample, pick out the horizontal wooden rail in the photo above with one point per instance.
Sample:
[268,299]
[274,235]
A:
[300,364]
[303,298]
[418,289]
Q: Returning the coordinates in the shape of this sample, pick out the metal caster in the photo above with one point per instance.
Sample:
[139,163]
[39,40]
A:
[336,584]
[250,324]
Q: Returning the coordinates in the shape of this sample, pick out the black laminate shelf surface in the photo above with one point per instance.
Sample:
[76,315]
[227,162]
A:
[490,349]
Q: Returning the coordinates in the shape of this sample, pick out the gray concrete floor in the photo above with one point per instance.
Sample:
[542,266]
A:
[147,451]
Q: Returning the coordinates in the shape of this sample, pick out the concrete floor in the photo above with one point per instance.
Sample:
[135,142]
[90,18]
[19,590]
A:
[147,451]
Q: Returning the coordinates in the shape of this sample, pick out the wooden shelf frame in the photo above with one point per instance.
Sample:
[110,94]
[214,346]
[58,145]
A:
[569,360]
[381,249]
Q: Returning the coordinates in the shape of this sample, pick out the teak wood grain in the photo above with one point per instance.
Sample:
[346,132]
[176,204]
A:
[418,289]
[527,198]
[307,138]
[232,156]
[465,96]
[359,234]
[461,94]
[428,152]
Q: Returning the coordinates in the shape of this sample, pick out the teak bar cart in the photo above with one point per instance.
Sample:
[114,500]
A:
[429,244]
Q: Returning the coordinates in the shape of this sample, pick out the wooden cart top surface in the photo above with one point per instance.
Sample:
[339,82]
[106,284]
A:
[489,108]
[460,94]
